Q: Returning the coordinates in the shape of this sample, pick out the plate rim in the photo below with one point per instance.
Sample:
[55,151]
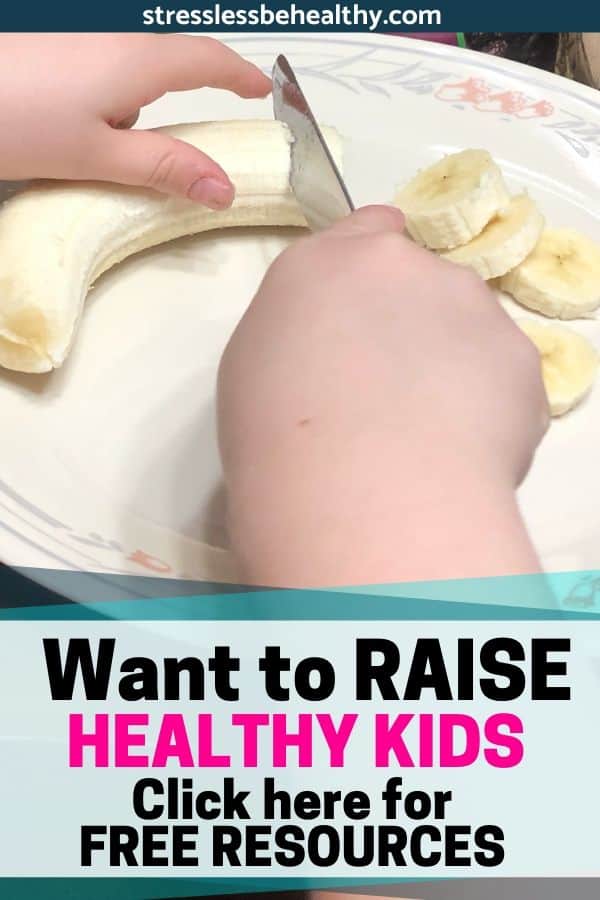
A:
[400,44]
[404,43]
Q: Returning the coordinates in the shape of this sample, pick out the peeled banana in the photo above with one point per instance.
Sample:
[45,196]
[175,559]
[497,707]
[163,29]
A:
[504,242]
[569,363]
[560,278]
[449,203]
[57,238]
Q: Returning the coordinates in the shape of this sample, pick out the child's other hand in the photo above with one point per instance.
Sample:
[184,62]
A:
[378,408]
[66,102]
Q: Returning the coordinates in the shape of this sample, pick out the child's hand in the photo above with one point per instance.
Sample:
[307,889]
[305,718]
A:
[66,102]
[377,410]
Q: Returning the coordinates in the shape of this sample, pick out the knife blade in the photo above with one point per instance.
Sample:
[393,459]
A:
[314,177]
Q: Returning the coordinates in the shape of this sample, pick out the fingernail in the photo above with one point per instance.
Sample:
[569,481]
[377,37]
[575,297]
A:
[212,193]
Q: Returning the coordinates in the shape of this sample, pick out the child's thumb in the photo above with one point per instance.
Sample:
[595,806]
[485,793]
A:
[370,219]
[154,160]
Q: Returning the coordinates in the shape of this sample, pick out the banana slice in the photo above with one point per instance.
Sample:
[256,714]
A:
[504,242]
[569,363]
[449,203]
[560,278]
[57,238]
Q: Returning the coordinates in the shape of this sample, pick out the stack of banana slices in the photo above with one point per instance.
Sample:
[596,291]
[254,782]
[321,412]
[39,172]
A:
[461,208]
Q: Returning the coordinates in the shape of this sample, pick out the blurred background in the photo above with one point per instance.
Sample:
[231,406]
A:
[571,54]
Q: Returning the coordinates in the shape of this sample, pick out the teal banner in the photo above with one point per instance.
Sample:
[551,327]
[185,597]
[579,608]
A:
[59,595]
[278,16]
[402,670]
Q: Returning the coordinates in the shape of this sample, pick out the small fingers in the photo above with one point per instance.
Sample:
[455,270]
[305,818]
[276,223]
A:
[185,62]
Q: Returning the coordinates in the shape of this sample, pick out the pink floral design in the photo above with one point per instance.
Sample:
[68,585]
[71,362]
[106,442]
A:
[508,102]
[485,98]
[473,90]
[541,109]
[149,562]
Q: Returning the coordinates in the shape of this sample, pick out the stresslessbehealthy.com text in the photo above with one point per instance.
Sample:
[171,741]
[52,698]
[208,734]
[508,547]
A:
[340,15]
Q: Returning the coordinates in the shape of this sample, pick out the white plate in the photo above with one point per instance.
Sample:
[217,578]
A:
[110,464]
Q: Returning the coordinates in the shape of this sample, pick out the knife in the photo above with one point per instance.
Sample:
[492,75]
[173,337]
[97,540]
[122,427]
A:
[314,176]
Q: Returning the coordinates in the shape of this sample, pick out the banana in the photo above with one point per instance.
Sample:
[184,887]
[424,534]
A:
[569,363]
[449,203]
[504,242]
[57,238]
[560,278]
